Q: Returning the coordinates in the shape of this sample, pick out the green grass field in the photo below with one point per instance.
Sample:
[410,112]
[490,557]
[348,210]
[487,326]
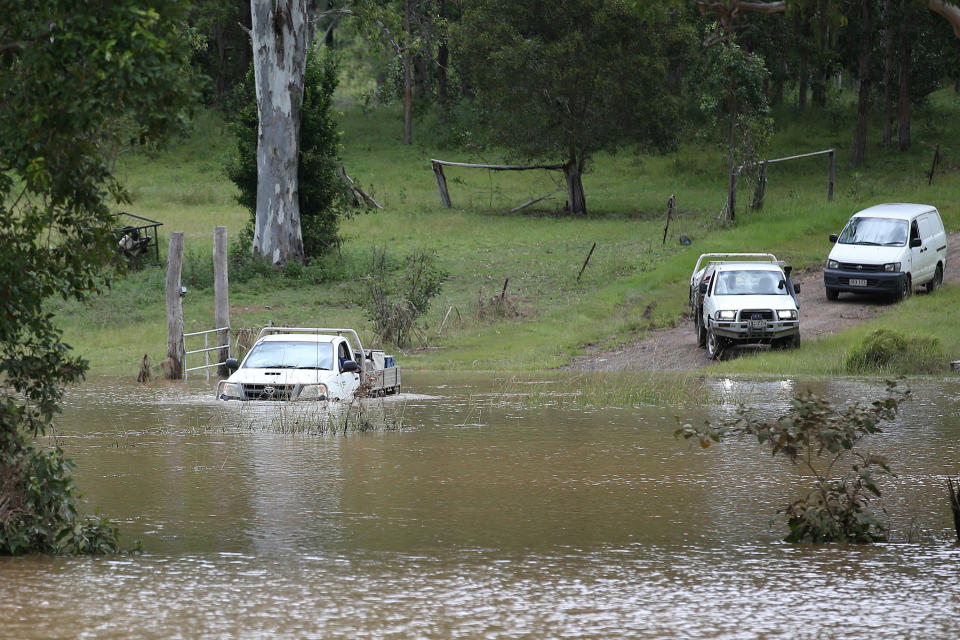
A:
[632,283]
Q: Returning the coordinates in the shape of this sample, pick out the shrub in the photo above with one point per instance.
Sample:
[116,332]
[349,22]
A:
[891,352]
[396,304]
[821,438]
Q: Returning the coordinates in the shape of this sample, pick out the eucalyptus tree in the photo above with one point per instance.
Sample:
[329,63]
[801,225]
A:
[76,79]
[563,80]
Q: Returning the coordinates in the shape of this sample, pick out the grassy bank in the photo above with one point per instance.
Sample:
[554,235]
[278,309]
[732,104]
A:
[632,283]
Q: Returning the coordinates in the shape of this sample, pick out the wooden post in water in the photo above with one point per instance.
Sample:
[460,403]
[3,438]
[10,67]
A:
[174,308]
[221,295]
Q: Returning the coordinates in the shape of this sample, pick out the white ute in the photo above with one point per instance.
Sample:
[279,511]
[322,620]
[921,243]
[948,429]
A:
[287,363]
[743,298]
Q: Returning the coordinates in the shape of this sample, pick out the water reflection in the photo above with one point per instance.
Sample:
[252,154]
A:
[489,514]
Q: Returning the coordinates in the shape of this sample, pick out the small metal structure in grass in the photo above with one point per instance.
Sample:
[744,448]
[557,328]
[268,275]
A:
[137,235]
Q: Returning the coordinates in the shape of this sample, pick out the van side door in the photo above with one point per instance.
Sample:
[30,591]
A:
[928,252]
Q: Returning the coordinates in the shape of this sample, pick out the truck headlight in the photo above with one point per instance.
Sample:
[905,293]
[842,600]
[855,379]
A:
[833,264]
[313,392]
[787,314]
[892,266]
[228,390]
[726,315]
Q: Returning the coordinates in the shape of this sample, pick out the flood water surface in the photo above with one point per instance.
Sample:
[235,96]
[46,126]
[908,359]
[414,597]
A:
[492,513]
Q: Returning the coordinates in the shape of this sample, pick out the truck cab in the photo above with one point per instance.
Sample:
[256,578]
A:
[743,299]
[307,364]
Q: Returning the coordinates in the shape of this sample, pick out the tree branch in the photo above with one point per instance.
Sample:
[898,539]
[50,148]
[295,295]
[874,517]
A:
[949,11]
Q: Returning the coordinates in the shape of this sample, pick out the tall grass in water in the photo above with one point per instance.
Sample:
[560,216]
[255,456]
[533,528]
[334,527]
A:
[317,418]
[603,389]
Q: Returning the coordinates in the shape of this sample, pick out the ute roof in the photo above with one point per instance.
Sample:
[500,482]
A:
[895,210]
[296,337]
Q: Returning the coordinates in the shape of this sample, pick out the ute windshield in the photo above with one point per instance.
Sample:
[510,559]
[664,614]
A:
[877,232]
[290,355]
[750,283]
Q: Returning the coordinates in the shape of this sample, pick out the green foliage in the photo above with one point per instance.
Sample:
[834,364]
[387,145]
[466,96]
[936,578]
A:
[820,438]
[563,80]
[321,188]
[395,304]
[891,352]
[733,99]
[75,81]
[40,506]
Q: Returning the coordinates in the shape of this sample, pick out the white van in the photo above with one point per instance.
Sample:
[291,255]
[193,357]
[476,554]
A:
[888,249]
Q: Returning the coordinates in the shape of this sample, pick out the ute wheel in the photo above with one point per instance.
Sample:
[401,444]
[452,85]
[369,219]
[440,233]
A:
[832,294]
[937,281]
[793,341]
[701,331]
[715,345]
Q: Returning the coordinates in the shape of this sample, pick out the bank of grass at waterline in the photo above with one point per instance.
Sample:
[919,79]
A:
[918,336]
[634,281]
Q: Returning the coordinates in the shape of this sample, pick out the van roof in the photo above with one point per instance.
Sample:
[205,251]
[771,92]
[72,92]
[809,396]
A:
[897,210]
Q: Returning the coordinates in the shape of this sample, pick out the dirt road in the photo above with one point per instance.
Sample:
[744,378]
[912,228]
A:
[676,349]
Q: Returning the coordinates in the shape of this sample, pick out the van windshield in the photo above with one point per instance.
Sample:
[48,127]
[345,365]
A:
[878,232]
[290,355]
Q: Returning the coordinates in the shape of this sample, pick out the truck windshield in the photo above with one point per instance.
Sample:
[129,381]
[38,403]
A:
[290,355]
[749,283]
[878,232]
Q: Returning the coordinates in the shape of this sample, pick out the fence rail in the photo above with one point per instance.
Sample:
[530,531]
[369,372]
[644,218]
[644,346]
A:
[207,365]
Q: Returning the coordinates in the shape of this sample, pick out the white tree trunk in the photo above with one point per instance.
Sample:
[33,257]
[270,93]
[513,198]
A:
[280,40]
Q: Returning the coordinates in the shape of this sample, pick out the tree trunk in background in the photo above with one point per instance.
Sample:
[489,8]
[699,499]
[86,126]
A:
[407,91]
[903,104]
[280,40]
[802,88]
[443,60]
[576,200]
[858,154]
[888,56]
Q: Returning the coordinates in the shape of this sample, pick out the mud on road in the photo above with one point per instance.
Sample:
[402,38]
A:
[676,349]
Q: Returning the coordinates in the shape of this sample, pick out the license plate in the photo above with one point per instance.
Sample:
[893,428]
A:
[758,324]
[858,282]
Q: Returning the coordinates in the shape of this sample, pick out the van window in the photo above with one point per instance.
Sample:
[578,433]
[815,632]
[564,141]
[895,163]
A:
[926,227]
[885,232]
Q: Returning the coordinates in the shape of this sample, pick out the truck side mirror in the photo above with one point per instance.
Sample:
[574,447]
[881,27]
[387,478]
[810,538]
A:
[796,288]
[833,238]
[703,287]
[350,366]
[916,242]
[231,363]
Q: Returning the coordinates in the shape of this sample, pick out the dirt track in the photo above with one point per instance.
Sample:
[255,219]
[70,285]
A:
[676,349]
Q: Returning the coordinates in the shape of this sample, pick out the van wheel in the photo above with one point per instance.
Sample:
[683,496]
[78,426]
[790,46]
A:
[906,288]
[937,281]
[701,331]
[832,294]
[715,345]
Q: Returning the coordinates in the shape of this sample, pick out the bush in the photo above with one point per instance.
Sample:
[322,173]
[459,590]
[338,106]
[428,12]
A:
[889,352]
[821,438]
[396,304]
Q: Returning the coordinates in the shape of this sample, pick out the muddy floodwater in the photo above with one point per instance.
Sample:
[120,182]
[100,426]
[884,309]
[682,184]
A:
[493,512]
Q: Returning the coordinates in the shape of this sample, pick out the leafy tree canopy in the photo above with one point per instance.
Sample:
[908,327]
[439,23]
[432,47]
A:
[562,80]
[76,81]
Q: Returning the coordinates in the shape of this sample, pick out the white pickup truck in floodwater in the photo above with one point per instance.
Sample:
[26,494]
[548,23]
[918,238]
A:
[288,363]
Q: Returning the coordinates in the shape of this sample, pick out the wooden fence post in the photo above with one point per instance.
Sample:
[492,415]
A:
[221,295]
[761,190]
[174,308]
[833,174]
[732,194]
[441,183]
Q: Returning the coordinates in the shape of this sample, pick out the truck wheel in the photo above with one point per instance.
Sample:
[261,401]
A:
[701,330]
[832,294]
[715,345]
[934,284]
